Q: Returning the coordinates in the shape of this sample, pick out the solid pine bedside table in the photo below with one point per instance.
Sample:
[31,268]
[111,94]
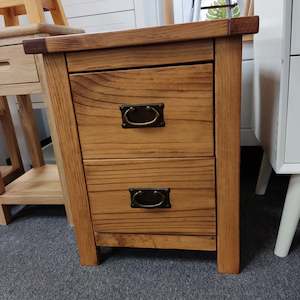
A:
[148,122]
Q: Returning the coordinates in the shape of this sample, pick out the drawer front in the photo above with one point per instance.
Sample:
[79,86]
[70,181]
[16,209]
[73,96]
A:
[185,91]
[192,196]
[295,47]
[16,67]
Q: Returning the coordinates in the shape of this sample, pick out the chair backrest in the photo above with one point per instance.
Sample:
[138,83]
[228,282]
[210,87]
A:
[34,9]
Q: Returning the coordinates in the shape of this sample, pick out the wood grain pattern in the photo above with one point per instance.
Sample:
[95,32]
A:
[186,92]
[30,130]
[16,67]
[192,195]
[205,243]
[57,88]
[54,137]
[37,186]
[228,110]
[142,56]
[152,35]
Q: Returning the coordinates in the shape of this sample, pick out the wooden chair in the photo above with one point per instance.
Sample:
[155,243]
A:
[34,9]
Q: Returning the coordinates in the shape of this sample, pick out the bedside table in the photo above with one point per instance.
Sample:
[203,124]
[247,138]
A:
[148,122]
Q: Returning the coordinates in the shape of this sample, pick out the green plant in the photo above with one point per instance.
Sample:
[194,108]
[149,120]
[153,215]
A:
[222,13]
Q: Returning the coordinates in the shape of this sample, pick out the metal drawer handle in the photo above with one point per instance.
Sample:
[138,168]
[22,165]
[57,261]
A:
[150,198]
[4,64]
[140,116]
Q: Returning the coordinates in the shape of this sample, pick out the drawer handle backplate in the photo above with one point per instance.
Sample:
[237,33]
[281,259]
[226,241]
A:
[150,198]
[141,116]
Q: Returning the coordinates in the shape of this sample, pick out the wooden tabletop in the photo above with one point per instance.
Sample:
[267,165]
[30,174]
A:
[150,35]
[36,29]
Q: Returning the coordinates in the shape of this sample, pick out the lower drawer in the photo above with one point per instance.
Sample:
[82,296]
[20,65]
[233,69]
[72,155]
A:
[191,182]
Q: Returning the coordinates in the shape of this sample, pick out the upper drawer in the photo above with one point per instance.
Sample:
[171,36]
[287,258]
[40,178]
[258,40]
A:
[295,50]
[16,67]
[185,91]
[78,8]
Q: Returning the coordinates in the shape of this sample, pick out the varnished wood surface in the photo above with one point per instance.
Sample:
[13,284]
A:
[228,112]
[30,130]
[37,186]
[144,36]
[20,89]
[11,142]
[205,243]
[63,123]
[10,173]
[4,210]
[55,142]
[186,91]
[141,56]
[192,184]
[16,67]
[35,29]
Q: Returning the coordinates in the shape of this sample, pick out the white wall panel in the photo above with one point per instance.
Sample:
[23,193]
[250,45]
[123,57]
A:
[105,22]
[79,8]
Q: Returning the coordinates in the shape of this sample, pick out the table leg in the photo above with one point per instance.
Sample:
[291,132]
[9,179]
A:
[4,210]
[30,130]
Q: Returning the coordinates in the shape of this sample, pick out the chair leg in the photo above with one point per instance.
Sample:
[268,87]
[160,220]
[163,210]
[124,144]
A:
[10,18]
[4,210]
[30,130]
[10,138]
[34,11]
[290,218]
[264,176]
[58,14]
[4,215]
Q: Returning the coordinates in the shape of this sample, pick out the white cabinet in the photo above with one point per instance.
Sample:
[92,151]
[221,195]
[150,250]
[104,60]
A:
[295,49]
[277,88]
[292,155]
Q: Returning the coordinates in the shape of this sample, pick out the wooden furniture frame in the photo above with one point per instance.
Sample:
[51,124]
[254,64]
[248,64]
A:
[20,76]
[10,173]
[34,9]
[79,69]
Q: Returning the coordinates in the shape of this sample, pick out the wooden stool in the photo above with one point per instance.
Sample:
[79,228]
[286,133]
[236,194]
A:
[34,9]
[42,184]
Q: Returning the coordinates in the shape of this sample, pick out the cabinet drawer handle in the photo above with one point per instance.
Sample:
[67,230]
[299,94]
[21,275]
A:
[150,198]
[141,116]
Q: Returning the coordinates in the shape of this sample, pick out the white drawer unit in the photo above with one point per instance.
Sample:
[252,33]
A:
[277,110]
[79,8]
[105,22]
[295,49]
[292,155]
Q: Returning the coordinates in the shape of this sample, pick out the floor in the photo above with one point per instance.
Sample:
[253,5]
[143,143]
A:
[38,258]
